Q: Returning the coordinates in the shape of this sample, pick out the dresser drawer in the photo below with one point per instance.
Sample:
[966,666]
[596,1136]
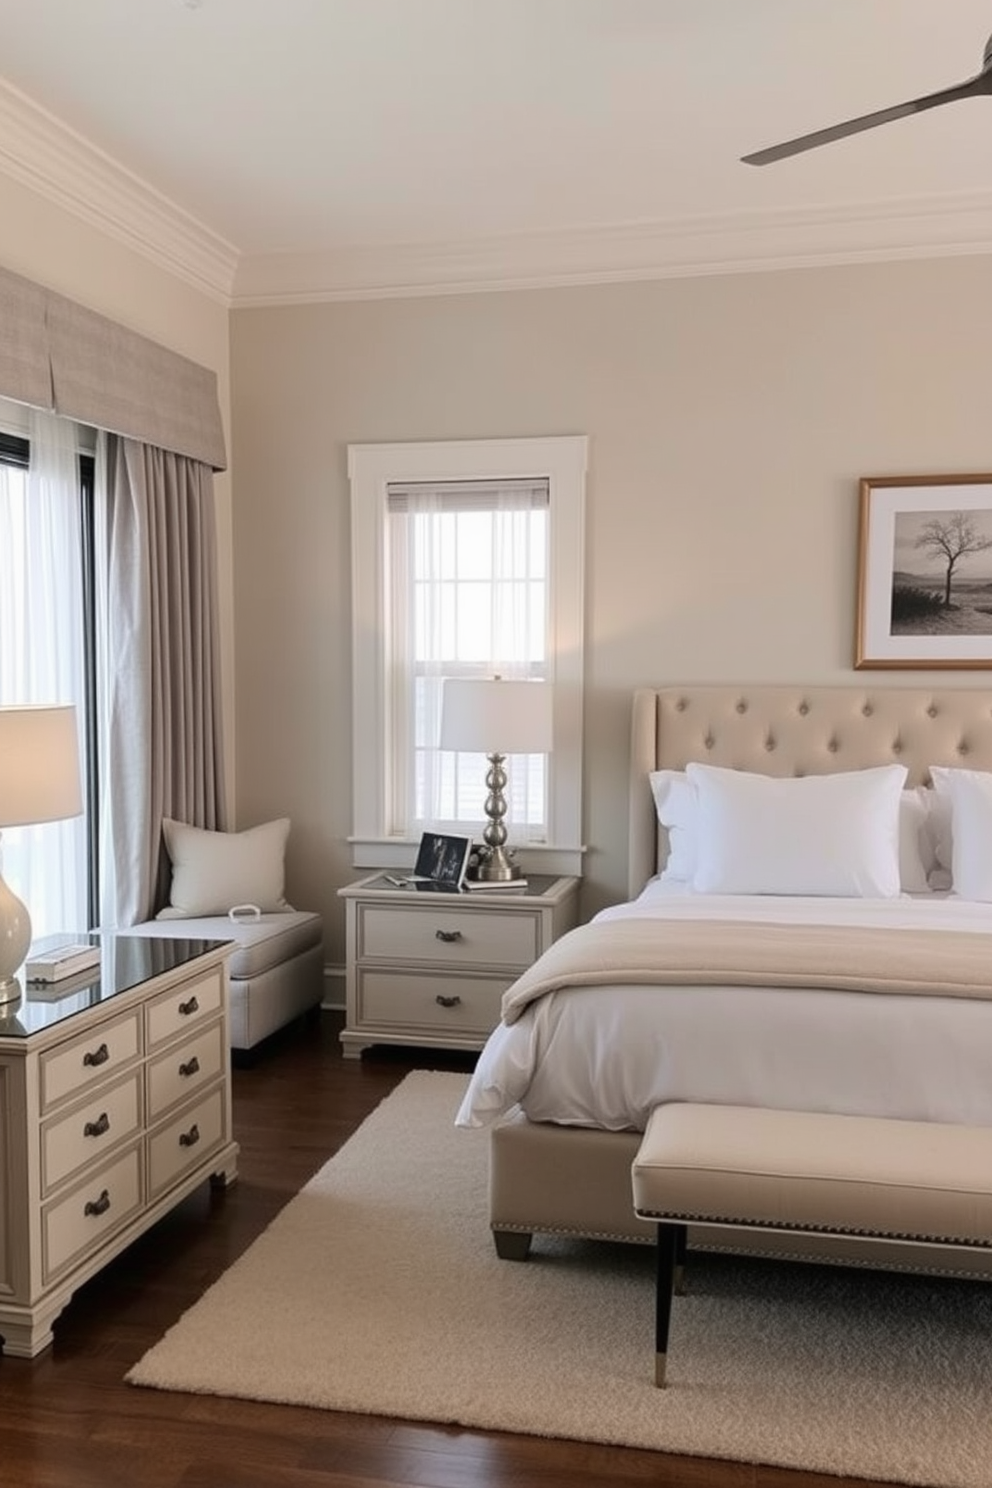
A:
[91,1059]
[82,1221]
[448,936]
[183,1069]
[416,1001]
[185,1142]
[184,1008]
[69,1142]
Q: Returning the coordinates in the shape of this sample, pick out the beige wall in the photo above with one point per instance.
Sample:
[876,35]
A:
[44,243]
[729,420]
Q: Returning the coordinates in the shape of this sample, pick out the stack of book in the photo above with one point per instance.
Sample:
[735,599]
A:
[494,883]
[60,962]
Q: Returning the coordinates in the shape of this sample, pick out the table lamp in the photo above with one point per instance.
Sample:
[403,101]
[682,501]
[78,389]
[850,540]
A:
[496,717]
[39,782]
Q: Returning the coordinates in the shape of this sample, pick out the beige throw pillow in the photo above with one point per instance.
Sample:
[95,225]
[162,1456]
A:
[212,872]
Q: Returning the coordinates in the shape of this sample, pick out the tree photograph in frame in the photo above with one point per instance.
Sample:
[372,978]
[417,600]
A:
[925,572]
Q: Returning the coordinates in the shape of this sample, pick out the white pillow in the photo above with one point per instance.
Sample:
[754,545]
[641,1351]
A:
[835,835]
[213,872]
[916,856]
[939,828]
[678,812]
[677,806]
[964,826]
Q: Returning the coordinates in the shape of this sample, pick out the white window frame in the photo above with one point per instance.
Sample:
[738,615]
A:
[562,461]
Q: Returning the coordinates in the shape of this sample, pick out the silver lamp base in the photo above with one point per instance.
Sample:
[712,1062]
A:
[496,866]
[495,859]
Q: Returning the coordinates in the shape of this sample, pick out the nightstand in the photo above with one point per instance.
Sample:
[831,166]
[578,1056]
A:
[430,969]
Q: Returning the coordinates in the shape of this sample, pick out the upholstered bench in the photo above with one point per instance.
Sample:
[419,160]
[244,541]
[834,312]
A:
[886,1180]
[230,886]
[276,967]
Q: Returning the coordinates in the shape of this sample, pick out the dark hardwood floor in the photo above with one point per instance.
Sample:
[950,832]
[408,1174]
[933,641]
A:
[68,1421]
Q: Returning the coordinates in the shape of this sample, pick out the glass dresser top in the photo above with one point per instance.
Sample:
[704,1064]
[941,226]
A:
[126,961]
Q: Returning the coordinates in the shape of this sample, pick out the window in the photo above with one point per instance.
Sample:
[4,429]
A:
[46,654]
[467,562]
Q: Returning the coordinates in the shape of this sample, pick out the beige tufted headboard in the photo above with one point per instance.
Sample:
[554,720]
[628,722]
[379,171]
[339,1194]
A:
[785,730]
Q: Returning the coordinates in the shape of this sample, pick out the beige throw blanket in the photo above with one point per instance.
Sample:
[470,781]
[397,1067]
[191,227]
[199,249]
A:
[848,958]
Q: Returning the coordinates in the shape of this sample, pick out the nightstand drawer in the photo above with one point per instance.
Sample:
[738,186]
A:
[182,1009]
[84,1062]
[448,936]
[185,1142]
[69,1143]
[428,1002]
[84,1219]
[175,1076]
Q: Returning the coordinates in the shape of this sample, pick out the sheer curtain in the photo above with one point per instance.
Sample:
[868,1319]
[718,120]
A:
[469,598]
[159,714]
[42,652]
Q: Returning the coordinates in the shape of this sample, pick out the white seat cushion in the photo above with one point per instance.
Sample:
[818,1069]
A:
[262,942]
[810,1170]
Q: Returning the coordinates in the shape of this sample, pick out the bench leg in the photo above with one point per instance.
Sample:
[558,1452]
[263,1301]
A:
[512,1245]
[670,1254]
[681,1245]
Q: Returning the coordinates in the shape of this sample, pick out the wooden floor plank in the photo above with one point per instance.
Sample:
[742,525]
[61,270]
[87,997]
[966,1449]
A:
[67,1420]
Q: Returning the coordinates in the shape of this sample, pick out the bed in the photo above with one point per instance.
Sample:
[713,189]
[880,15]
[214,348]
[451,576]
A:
[626,1013]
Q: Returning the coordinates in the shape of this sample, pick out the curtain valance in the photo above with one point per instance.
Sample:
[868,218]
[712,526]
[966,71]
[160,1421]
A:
[59,355]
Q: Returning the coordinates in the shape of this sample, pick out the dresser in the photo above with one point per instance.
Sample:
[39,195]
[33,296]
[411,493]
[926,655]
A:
[115,1102]
[429,969]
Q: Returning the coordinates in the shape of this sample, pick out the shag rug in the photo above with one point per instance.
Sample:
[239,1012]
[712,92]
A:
[377,1289]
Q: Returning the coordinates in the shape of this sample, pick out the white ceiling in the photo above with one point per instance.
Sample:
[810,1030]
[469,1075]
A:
[288,149]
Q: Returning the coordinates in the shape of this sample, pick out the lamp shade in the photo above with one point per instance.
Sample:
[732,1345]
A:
[493,715]
[39,765]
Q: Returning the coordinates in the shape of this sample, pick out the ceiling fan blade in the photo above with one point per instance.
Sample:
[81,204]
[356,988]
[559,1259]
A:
[981,83]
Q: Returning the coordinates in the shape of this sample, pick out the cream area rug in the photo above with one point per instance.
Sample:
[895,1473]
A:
[377,1289]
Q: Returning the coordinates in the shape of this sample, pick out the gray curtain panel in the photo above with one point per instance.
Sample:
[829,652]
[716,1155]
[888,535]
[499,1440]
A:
[161,725]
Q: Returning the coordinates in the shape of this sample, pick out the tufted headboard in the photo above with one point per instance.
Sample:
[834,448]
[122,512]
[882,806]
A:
[786,730]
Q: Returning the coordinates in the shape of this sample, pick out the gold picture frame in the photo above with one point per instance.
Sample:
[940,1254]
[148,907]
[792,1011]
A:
[924,572]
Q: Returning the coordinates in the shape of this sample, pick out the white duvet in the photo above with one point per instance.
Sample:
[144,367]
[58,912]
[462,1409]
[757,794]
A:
[605,1056]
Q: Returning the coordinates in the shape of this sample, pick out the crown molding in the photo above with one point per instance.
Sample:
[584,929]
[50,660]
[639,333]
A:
[39,151]
[734,244]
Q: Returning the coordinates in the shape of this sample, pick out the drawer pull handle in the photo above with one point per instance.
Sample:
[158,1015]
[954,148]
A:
[98,1127]
[98,1056]
[97,1206]
[447,1001]
[191,1067]
[448,936]
[190,1138]
[190,1006]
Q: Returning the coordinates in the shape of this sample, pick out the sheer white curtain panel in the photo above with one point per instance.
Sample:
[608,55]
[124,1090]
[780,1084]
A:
[469,598]
[41,650]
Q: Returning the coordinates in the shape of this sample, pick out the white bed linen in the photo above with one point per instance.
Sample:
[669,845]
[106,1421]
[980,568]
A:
[605,1056]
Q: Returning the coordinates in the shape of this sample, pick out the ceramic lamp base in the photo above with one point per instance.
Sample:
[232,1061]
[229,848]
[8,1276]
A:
[15,940]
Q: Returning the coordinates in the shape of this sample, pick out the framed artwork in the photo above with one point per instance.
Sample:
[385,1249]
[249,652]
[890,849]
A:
[925,572]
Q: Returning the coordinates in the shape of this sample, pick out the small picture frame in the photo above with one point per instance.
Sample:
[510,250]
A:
[925,572]
[442,859]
